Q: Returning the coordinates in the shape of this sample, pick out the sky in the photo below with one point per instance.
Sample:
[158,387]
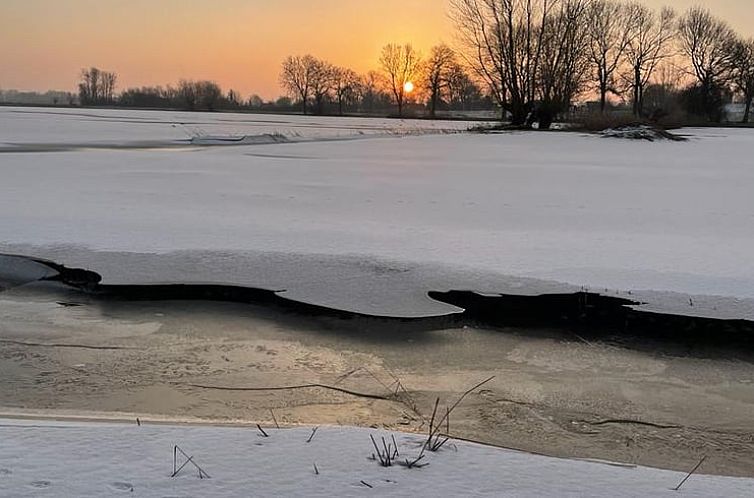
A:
[240,44]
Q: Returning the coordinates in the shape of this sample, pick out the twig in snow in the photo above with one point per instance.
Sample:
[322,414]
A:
[138,422]
[416,462]
[189,459]
[264,434]
[690,473]
[387,454]
[366,484]
[316,470]
[311,436]
[433,440]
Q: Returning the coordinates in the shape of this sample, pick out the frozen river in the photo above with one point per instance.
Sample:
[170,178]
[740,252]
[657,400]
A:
[369,215]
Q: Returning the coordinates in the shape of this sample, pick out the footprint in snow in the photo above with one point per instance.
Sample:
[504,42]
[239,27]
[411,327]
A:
[40,484]
[122,486]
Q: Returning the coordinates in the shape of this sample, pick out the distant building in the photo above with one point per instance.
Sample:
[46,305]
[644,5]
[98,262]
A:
[734,113]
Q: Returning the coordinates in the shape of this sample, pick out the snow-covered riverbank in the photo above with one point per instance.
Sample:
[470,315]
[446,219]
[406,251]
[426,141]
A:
[50,458]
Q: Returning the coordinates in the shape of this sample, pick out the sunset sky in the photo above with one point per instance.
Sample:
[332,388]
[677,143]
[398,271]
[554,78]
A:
[238,43]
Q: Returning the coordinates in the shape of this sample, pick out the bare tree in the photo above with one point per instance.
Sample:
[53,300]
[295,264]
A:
[346,86]
[187,94]
[563,70]
[209,94]
[400,64]
[709,43]
[321,82]
[743,73]
[234,98]
[97,86]
[255,102]
[650,39]
[373,95]
[195,95]
[462,90]
[442,60]
[296,77]
[479,26]
[107,86]
[609,30]
[505,43]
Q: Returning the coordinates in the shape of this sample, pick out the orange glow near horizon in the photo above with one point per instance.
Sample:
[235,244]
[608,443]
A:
[238,43]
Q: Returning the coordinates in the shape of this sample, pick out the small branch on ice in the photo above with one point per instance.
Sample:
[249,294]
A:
[690,473]
[285,388]
[630,422]
[316,470]
[366,484]
[387,453]
[264,434]
[76,346]
[434,440]
[189,459]
[416,463]
[277,426]
[311,436]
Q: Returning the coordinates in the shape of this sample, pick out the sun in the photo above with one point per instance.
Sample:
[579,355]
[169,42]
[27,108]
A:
[408,87]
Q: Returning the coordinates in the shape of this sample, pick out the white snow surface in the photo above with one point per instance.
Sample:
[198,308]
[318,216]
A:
[84,459]
[26,125]
[560,207]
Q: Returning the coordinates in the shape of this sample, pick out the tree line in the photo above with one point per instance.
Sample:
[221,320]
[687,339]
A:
[438,82]
[531,59]
[537,56]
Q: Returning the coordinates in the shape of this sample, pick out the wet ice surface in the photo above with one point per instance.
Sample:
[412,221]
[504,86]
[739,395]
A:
[371,225]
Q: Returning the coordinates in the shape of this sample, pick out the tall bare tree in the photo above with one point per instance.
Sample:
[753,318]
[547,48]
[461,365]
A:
[187,94]
[296,77]
[462,90]
[346,87]
[373,95]
[709,44]
[209,94]
[563,70]
[650,42]
[195,95]
[400,64]
[97,86]
[519,48]
[479,27]
[743,73]
[442,59]
[609,30]
[322,82]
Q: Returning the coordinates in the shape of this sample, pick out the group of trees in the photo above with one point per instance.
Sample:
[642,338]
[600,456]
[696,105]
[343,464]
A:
[537,56]
[404,77]
[97,87]
[721,62]
[530,58]
[187,94]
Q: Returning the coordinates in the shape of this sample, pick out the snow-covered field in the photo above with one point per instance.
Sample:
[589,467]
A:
[386,217]
[39,458]
[97,127]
